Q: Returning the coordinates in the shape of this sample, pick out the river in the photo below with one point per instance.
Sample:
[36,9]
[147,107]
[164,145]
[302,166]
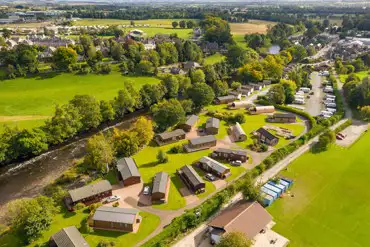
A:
[27,179]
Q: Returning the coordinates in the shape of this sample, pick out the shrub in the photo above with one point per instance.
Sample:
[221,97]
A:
[176,149]
[116,204]
[162,157]
[79,206]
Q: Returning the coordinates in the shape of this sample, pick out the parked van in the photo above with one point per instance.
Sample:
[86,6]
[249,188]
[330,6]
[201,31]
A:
[325,73]
[333,110]
[322,113]
[329,100]
[327,96]
[328,90]
[331,105]
[298,97]
[305,89]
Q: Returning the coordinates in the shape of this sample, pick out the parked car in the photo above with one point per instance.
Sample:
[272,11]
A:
[111,199]
[210,177]
[236,163]
[339,137]
[146,190]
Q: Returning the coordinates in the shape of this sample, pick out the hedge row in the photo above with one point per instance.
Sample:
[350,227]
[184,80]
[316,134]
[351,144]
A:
[343,126]
[183,224]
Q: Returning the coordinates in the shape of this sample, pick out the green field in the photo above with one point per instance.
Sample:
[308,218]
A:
[65,219]
[361,74]
[37,96]
[215,58]
[181,33]
[151,22]
[330,206]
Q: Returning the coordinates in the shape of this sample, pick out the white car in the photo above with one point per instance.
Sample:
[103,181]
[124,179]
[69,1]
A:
[236,163]
[111,199]
[146,190]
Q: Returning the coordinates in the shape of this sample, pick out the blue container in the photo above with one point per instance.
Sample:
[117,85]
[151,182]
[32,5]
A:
[273,188]
[269,192]
[279,186]
[284,183]
[287,180]
[267,200]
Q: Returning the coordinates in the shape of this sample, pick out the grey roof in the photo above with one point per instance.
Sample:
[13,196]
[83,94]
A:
[69,237]
[160,182]
[191,120]
[175,133]
[191,64]
[238,130]
[127,167]
[90,190]
[116,214]
[284,115]
[231,151]
[213,123]
[202,139]
[192,175]
[228,97]
[266,134]
[213,164]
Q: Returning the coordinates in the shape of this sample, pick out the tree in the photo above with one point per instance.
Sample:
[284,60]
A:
[167,114]
[162,157]
[145,67]
[190,24]
[197,76]
[144,129]
[187,105]
[249,190]
[237,56]
[171,83]
[276,94]
[251,72]
[64,57]
[6,33]
[28,142]
[151,94]
[235,85]
[117,51]
[221,88]
[358,64]
[89,110]
[289,89]
[125,143]
[99,153]
[312,32]
[86,42]
[256,40]
[234,239]
[216,30]
[65,123]
[298,53]
[182,24]
[184,84]
[365,113]
[324,142]
[273,68]
[30,217]
[191,52]
[123,102]
[175,24]
[106,111]
[168,53]
[201,94]
[210,73]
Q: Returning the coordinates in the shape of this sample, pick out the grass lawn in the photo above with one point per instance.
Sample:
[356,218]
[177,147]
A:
[330,206]
[151,22]
[65,219]
[23,124]
[215,58]
[181,33]
[239,39]
[361,74]
[175,200]
[38,95]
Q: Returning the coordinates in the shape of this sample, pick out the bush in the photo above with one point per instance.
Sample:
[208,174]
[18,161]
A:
[116,204]
[162,157]
[176,149]
[104,243]
[79,206]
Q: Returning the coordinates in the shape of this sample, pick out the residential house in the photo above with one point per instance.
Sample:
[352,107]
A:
[225,99]
[191,179]
[264,136]
[89,194]
[149,47]
[116,219]
[261,109]
[256,86]
[210,47]
[197,31]
[200,143]
[214,167]
[212,126]
[282,118]
[161,187]
[191,65]
[170,137]
[247,217]
[128,172]
[230,154]
[177,71]
[238,133]
[68,237]
[266,82]
[190,123]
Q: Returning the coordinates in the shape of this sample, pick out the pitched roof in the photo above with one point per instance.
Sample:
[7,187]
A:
[213,164]
[127,167]
[90,190]
[191,120]
[247,217]
[238,130]
[192,175]
[231,151]
[228,97]
[284,115]
[160,182]
[168,135]
[266,134]
[213,123]
[69,237]
[116,214]
[202,139]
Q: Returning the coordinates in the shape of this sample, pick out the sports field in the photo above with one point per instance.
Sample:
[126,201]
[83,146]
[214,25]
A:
[28,101]
[330,206]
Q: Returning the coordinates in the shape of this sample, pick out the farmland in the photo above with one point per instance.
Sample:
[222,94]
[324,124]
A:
[151,22]
[29,100]
[252,26]
[330,204]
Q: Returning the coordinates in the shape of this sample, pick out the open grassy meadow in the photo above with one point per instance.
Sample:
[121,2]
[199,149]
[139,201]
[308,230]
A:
[215,58]
[151,22]
[252,26]
[361,74]
[330,206]
[26,102]
[78,218]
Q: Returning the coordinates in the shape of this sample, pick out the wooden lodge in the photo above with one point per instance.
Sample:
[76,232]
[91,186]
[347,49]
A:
[282,118]
[68,237]
[225,99]
[190,123]
[128,172]
[170,137]
[264,136]
[212,126]
[200,143]
[212,166]
[229,154]
[161,186]
[191,179]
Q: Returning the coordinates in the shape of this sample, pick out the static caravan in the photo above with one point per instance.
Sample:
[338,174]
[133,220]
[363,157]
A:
[305,89]
[330,96]
[328,90]
[262,109]
[279,186]
[330,100]
[322,113]
[300,93]
[299,97]
[332,110]
[299,101]
[269,192]
[267,199]
[273,188]
[240,104]
[331,105]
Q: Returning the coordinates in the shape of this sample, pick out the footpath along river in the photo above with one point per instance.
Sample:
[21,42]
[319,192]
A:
[26,179]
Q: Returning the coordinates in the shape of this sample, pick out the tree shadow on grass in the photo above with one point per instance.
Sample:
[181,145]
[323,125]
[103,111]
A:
[44,76]
[150,164]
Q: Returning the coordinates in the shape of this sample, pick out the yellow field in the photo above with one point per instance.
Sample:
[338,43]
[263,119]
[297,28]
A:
[252,26]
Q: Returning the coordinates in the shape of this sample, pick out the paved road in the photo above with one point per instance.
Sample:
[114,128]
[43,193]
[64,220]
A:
[314,103]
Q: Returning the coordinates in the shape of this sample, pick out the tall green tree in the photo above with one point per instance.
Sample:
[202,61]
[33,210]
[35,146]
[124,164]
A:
[89,110]
[201,94]
[64,57]
[167,114]
[237,56]
[99,153]
[276,94]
